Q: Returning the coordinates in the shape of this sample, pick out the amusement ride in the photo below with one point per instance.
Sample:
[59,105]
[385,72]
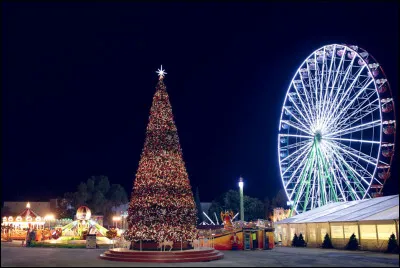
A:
[337,127]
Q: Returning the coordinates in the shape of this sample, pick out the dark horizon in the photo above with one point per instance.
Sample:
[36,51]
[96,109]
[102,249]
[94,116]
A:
[78,82]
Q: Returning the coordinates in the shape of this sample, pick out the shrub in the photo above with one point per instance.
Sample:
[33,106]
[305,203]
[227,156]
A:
[393,247]
[301,242]
[353,243]
[59,245]
[327,242]
[295,240]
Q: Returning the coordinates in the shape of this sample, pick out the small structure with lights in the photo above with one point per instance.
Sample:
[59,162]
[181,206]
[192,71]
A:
[26,219]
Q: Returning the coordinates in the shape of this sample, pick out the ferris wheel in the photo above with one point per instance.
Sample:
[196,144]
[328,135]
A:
[337,129]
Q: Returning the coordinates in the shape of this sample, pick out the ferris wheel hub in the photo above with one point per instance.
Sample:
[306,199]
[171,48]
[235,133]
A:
[318,136]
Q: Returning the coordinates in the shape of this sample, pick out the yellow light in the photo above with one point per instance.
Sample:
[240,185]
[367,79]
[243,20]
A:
[116,218]
[49,217]
[28,205]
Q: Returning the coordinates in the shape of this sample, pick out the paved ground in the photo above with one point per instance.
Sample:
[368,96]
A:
[278,257]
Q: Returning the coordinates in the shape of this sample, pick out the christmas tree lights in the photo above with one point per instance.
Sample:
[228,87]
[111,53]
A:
[162,206]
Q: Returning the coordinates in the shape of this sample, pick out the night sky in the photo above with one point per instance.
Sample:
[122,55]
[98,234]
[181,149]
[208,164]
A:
[78,81]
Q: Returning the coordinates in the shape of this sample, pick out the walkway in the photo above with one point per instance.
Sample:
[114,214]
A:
[278,257]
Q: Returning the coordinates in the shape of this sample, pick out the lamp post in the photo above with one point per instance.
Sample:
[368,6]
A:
[124,216]
[241,199]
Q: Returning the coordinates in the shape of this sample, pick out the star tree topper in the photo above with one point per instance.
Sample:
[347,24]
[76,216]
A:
[161,73]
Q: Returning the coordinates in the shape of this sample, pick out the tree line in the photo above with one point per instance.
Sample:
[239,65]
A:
[97,193]
[254,208]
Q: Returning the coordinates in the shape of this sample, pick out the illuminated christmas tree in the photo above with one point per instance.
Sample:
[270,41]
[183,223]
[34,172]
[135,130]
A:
[162,205]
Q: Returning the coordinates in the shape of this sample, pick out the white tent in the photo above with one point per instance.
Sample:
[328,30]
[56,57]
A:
[371,220]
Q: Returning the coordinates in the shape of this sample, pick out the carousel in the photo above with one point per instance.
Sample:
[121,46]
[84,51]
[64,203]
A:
[26,219]
[16,227]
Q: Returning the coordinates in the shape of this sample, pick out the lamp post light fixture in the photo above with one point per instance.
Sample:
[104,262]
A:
[241,199]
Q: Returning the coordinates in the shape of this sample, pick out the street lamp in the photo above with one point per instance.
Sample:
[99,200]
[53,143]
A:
[241,199]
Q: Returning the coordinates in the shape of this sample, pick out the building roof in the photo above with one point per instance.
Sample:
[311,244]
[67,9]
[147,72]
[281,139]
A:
[380,208]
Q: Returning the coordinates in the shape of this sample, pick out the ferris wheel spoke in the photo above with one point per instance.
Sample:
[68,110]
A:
[328,80]
[349,99]
[298,120]
[346,181]
[310,98]
[306,150]
[299,150]
[302,165]
[358,154]
[339,166]
[355,162]
[337,182]
[327,174]
[313,194]
[306,169]
[321,81]
[294,145]
[293,124]
[353,172]
[313,87]
[352,140]
[358,128]
[369,108]
[309,111]
[350,156]
[295,136]
[343,83]
[343,111]
[346,93]
[339,70]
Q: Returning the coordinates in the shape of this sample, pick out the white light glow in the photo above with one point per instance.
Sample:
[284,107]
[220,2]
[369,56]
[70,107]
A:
[161,73]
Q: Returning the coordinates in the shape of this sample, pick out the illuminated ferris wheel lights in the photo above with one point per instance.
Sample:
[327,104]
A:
[333,127]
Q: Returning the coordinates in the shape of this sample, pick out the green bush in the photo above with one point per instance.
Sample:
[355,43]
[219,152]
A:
[393,247]
[295,240]
[301,242]
[353,243]
[327,242]
[61,245]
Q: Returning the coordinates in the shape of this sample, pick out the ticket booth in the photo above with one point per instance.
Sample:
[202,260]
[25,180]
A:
[247,239]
